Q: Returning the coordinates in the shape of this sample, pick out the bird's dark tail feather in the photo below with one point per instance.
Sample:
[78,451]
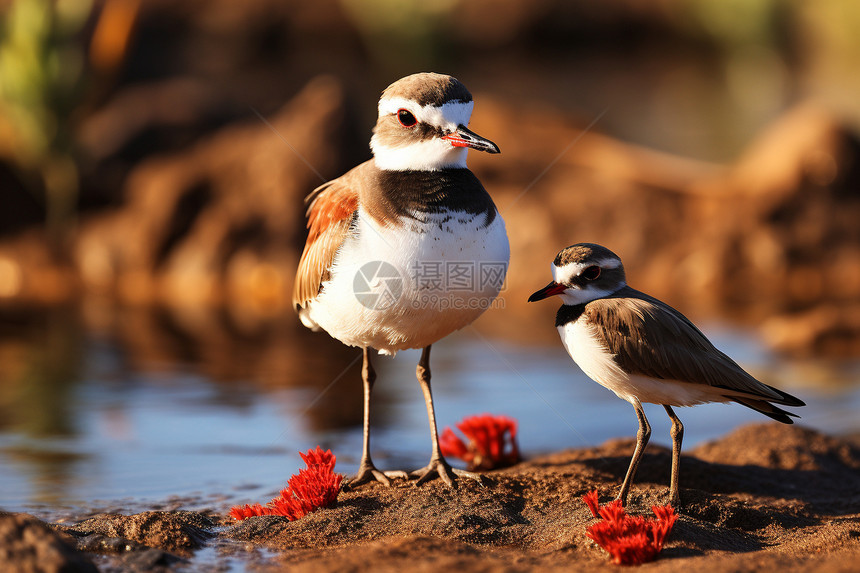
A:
[769,409]
[787,399]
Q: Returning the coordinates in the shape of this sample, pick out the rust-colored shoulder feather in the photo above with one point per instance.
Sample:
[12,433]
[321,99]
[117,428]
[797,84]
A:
[331,208]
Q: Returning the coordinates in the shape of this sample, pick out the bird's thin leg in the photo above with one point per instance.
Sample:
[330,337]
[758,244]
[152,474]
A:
[677,438]
[642,437]
[438,466]
[366,470]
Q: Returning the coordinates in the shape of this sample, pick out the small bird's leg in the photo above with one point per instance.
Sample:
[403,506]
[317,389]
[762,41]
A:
[677,438]
[366,470]
[438,466]
[642,437]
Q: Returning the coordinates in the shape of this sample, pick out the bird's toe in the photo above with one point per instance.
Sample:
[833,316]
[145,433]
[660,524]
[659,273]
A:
[443,470]
[368,473]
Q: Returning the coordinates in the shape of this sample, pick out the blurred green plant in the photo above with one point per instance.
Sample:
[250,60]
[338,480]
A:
[831,38]
[398,32]
[42,364]
[736,22]
[42,79]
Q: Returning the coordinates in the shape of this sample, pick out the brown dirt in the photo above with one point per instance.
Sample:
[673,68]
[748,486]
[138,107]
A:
[27,544]
[765,496]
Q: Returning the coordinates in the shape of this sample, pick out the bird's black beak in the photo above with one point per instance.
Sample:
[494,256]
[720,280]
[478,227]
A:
[549,290]
[464,137]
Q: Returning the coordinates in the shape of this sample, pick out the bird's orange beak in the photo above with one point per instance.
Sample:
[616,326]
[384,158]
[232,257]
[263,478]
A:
[553,288]
[464,137]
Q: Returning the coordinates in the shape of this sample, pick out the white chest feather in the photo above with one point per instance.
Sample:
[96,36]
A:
[433,275]
[586,349]
[596,362]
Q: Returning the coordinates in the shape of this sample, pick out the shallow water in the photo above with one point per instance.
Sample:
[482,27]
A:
[112,433]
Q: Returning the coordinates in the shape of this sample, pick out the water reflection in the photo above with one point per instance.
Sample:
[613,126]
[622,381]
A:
[274,352]
[41,357]
[93,400]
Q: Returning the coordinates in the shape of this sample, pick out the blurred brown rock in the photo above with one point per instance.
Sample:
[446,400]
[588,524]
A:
[790,218]
[28,545]
[221,225]
[201,256]
[793,204]
[222,221]
[31,272]
[175,531]
[775,234]
[826,329]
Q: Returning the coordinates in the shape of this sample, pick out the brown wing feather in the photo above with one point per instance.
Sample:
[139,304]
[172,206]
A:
[650,338]
[330,212]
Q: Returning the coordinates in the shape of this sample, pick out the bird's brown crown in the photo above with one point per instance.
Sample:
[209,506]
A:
[428,88]
[583,252]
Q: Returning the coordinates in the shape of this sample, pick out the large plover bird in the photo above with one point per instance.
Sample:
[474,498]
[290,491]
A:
[644,350]
[407,247]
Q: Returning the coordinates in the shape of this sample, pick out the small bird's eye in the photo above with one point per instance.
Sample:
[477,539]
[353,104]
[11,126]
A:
[405,117]
[591,273]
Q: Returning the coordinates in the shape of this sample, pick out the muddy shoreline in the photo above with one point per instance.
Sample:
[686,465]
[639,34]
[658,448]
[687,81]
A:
[764,496]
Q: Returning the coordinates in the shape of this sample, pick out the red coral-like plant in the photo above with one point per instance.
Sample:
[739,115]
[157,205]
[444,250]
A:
[629,540]
[492,442]
[314,487]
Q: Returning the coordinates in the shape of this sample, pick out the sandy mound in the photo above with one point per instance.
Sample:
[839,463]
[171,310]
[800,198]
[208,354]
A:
[765,496]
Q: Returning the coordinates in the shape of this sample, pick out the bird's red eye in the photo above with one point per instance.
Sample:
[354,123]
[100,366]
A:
[591,273]
[405,117]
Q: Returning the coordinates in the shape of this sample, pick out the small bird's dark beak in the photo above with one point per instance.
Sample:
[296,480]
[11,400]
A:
[464,137]
[549,290]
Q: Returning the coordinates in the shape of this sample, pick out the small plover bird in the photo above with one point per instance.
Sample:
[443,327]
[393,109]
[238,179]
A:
[644,350]
[386,238]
